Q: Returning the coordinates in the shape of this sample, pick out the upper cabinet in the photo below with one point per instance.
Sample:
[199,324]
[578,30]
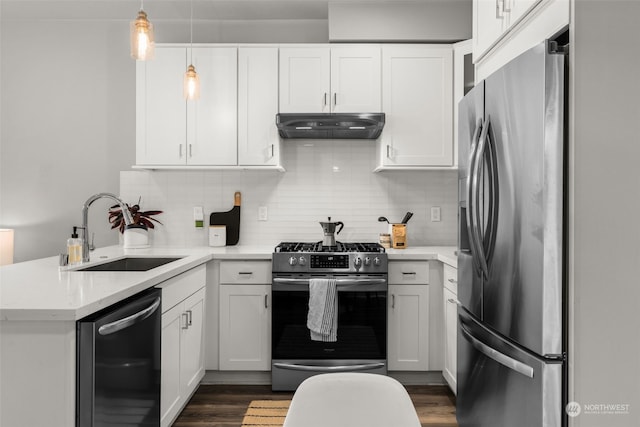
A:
[417,94]
[258,139]
[232,124]
[173,131]
[321,79]
[503,29]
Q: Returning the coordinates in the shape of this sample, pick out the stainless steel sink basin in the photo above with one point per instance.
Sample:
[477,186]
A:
[131,264]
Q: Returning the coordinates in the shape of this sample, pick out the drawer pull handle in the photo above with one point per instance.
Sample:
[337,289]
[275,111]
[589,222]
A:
[453,281]
[189,317]
[245,273]
[410,274]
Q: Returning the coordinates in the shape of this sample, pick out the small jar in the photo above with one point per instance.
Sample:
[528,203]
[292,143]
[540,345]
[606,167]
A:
[385,240]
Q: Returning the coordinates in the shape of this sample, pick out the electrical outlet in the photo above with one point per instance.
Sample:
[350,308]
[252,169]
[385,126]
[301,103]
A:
[262,213]
[435,214]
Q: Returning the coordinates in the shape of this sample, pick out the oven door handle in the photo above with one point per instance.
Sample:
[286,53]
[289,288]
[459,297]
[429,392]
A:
[339,282]
[339,368]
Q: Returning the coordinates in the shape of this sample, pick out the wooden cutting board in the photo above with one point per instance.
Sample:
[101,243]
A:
[231,219]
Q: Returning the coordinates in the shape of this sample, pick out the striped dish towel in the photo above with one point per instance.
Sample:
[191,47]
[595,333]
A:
[322,319]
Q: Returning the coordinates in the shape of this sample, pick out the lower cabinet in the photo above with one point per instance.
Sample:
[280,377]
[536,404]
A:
[450,297]
[245,316]
[408,316]
[182,360]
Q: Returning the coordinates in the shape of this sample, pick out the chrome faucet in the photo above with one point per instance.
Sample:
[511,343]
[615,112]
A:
[126,215]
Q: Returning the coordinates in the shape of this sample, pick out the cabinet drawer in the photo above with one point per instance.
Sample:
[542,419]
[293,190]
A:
[178,288]
[409,272]
[245,272]
[450,278]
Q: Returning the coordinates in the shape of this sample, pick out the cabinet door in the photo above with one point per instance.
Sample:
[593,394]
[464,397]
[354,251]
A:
[212,119]
[356,79]
[489,21]
[245,327]
[450,338]
[161,128]
[192,351]
[417,93]
[408,328]
[170,388]
[304,80]
[258,140]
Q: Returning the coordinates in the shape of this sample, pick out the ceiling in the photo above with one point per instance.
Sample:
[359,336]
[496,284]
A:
[167,10]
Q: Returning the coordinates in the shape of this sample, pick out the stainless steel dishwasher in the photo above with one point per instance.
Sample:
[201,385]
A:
[118,364]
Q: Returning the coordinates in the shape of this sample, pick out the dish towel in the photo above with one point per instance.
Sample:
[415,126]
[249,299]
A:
[322,319]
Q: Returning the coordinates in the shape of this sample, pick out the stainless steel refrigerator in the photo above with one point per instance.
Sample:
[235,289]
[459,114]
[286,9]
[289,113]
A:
[511,284]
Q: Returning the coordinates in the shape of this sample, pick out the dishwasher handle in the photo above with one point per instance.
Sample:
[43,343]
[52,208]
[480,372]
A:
[118,325]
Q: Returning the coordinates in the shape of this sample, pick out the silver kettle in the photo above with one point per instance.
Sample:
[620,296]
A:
[329,229]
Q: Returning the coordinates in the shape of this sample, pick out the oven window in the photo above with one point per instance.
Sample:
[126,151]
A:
[362,327]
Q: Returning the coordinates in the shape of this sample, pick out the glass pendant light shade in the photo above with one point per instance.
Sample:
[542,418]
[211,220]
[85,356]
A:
[142,42]
[191,84]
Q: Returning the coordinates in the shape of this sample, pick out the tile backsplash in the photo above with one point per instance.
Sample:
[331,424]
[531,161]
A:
[327,178]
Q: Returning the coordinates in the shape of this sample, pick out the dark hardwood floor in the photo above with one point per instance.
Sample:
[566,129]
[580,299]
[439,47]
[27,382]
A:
[225,405]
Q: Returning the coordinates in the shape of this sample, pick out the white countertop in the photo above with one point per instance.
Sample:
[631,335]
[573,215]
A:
[40,290]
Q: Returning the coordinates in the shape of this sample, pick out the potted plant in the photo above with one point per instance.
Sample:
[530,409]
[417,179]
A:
[135,235]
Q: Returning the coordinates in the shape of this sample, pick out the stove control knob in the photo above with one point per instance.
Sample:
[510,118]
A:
[376,261]
[357,262]
[367,261]
[302,261]
[293,261]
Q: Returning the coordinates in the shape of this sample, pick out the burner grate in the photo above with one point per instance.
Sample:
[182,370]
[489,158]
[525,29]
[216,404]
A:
[318,247]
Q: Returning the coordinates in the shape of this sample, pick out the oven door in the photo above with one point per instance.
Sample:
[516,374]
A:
[362,330]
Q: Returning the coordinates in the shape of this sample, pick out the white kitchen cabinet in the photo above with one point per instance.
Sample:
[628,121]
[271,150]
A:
[450,297]
[323,79]
[258,140]
[182,356]
[245,316]
[171,131]
[408,316]
[463,82]
[161,110]
[493,18]
[417,94]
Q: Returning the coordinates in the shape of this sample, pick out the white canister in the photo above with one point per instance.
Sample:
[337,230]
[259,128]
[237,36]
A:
[217,235]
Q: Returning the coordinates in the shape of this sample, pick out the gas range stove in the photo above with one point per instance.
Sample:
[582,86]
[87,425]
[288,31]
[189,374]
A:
[346,258]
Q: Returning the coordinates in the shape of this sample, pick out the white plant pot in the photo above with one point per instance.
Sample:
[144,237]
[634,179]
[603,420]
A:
[136,236]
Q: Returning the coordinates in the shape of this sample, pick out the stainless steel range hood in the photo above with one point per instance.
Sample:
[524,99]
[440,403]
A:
[330,126]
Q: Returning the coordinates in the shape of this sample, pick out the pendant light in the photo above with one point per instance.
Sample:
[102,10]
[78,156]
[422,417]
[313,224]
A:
[191,79]
[142,43]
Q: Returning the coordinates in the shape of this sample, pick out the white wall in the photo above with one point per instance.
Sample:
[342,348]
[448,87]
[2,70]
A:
[329,178]
[67,113]
[400,21]
[67,119]
[605,231]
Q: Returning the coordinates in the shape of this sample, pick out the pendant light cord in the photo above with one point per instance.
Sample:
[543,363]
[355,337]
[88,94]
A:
[191,34]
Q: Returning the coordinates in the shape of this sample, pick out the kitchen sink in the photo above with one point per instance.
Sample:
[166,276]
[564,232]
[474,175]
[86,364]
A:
[131,264]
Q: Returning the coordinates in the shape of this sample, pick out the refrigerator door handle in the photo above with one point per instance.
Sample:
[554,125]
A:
[471,225]
[501,358]
[489,239]
[476,206]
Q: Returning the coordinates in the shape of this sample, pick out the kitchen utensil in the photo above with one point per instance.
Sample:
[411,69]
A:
[231,219]
[407,217]
[381,219]
[329,229]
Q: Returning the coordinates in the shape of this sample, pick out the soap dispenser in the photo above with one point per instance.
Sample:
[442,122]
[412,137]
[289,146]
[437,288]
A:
[74,248]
